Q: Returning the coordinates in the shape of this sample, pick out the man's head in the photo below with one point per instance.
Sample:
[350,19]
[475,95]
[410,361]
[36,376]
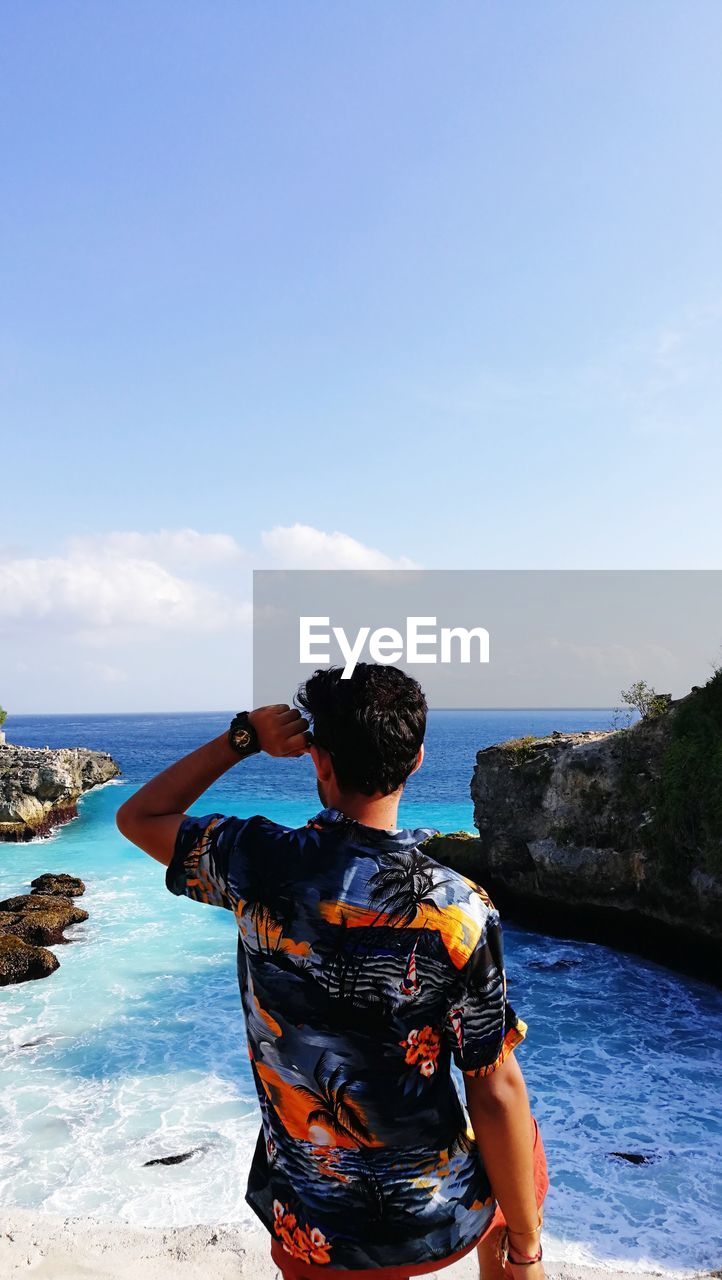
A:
[368,731]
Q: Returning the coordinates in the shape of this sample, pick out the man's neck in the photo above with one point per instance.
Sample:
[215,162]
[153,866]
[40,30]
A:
[371,811]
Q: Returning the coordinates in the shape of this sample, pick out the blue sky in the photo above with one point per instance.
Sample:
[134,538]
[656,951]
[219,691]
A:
[438,283]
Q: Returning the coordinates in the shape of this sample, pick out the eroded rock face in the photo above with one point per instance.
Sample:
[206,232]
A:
[40,787]
[564,815]
[20,962]
[568,821]
[43,927]
[36,920]
[32,902]
[48,883]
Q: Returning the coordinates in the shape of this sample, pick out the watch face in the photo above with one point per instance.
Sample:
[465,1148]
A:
[242,739]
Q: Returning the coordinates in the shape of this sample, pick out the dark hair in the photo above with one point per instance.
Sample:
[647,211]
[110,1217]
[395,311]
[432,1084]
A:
[372,724]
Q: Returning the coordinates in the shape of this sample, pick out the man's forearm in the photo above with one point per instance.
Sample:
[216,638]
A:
[151,817]
[503,1127]
[181,784]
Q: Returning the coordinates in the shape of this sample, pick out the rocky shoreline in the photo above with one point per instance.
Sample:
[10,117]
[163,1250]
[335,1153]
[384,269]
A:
[40,787]
[614,837]
[32,922]
[39,790]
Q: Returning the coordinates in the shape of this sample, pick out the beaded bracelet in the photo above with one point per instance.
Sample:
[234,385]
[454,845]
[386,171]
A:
[526,1259]
[505,1246]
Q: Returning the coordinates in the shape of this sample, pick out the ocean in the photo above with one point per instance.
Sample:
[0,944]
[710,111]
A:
[134,1049]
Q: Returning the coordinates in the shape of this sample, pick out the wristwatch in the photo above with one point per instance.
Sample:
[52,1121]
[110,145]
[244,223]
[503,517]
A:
[242,736]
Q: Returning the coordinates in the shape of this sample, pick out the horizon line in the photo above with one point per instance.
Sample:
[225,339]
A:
[40,715]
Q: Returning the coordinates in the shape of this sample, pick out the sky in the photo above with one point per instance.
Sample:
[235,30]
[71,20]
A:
[371,285]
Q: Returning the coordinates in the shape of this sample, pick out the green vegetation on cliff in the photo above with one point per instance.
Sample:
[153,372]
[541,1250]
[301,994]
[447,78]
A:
[644,699]
[520,749]
[686,827]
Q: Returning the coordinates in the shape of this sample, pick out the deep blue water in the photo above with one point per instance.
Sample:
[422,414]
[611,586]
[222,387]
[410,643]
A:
[144,744]
[135,1047]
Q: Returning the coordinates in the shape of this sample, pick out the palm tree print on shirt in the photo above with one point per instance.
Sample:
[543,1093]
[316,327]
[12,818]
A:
[330,1105]
[269,906]
[363,967]
[404,882]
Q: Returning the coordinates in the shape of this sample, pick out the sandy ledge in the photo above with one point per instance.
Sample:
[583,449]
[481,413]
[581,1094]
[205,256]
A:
[57,1248]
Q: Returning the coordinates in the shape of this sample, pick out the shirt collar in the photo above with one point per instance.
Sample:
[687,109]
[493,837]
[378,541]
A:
[397,838]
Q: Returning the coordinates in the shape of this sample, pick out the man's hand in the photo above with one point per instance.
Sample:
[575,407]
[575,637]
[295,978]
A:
[281,730]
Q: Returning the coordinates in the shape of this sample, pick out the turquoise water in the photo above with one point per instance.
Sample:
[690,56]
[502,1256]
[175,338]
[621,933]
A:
[134,1049]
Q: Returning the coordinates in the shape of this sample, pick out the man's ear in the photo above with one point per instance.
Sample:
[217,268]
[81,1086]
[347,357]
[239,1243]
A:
[419,759]
[322,762]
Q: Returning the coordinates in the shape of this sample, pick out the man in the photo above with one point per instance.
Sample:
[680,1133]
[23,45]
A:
[364,967]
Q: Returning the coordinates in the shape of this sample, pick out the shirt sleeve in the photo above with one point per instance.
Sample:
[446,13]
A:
[206,859]
[481,1027]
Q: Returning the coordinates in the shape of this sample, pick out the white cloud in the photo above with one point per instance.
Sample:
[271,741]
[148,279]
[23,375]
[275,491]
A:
[299,546]
[128,619]
[94,591]
[182,548]
[171,580]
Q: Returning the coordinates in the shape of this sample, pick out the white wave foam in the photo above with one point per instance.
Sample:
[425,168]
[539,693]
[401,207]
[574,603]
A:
[141,1054]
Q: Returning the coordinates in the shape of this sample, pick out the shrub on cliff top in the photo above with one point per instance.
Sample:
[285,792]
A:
[3,716]
[686,829]
[520,749]
[645,700]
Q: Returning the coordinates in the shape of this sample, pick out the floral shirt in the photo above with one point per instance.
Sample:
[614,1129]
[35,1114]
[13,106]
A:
[365,967]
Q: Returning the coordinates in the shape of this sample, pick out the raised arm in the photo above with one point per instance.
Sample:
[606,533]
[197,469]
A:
[150,818]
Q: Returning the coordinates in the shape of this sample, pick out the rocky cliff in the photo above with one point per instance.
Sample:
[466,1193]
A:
[615,836]
[40,787]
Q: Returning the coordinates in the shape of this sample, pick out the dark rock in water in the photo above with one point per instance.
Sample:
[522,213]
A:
[34,902]
[44,927]
[552,966]
[634,1157]
[58,883]
[21,963]
[40,787]
[186,1155]
[31,921]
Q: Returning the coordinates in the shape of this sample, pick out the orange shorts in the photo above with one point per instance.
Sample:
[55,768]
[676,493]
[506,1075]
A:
[292,1269]
[541,1181]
